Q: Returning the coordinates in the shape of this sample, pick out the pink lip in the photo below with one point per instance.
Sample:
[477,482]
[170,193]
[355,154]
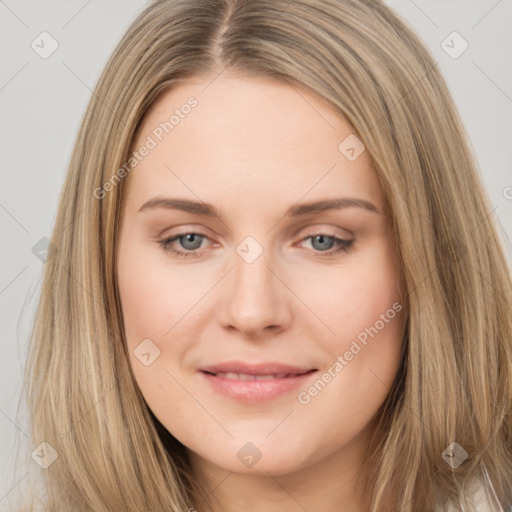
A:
[270,368]
[253,391]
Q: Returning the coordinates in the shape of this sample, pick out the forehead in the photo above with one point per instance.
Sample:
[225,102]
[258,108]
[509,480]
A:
[250,138]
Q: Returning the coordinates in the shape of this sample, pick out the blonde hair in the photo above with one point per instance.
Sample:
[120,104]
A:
[455,382]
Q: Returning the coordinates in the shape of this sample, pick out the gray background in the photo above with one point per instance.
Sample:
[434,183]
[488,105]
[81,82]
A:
[43,101]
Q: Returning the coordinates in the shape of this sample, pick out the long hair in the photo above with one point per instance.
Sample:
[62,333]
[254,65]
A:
[455,382]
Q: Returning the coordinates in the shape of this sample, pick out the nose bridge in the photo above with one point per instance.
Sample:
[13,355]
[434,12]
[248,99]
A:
[253,300]
[251,275]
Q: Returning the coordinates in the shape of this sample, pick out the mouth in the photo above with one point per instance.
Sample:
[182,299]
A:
[248,376]
[254,384]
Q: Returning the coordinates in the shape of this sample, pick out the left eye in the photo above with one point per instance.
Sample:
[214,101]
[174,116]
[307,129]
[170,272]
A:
[189,241]
[326,245]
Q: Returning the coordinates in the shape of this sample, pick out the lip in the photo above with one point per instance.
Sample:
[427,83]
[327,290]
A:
[265,368]
[254,391]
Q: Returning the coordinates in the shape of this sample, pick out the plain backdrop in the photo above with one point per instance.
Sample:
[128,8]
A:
[43,100]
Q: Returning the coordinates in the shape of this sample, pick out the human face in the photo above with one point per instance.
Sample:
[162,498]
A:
[253,148]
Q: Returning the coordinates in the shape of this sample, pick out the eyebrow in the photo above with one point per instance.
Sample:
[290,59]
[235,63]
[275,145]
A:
[296,210]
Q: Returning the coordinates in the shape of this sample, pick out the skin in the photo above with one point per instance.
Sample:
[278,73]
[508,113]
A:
[252,160]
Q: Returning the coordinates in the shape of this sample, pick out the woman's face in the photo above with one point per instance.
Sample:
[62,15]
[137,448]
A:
[271,278]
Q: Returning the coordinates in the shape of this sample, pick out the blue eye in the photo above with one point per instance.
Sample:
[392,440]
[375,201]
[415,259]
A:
[326,245]
[189,241]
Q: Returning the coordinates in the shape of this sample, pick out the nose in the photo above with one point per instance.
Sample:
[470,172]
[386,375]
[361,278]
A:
[255,299]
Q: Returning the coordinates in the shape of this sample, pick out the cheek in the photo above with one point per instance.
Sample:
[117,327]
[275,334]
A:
[152,294]
[152,303]
[161,303]
[144,311]
[365,315]
[361,328]
[355,296]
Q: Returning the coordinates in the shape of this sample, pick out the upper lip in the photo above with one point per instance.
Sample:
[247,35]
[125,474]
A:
[270,368]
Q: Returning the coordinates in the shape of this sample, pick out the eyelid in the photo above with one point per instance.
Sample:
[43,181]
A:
[322,229]
[184,229]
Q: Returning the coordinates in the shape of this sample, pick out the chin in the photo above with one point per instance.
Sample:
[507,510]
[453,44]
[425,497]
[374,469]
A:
[261,457]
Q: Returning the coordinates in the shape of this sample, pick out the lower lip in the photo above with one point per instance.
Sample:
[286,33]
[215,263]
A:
[254,391]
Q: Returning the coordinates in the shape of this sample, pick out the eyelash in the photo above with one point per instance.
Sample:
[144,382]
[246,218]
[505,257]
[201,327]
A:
[340,244]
